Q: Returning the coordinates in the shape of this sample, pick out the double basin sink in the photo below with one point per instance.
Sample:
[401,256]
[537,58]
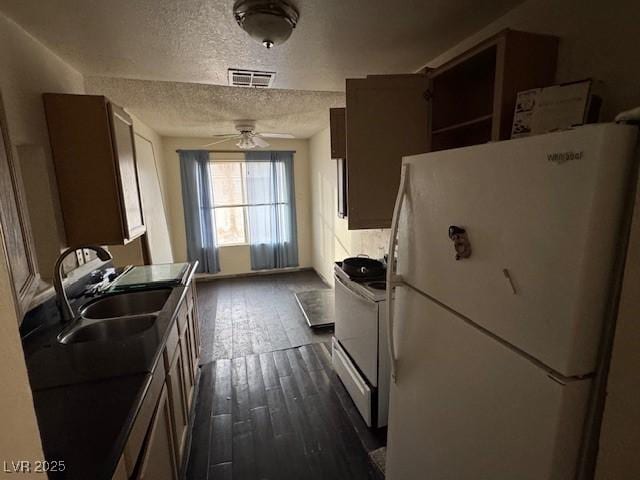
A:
[116,316]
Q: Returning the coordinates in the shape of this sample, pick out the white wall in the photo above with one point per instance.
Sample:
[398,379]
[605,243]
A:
[19,436]
[332,240]
[234,259]
[27,70]
[597,39]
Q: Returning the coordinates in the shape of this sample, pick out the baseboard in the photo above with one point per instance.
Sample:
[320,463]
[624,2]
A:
[207,277]
[322,278]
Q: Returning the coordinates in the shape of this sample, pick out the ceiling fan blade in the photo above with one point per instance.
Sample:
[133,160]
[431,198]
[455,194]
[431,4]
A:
[228,137]
[276,135]
[260,142]
[225,135]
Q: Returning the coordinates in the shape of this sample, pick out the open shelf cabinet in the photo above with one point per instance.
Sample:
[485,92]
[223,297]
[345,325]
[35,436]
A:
[473,95]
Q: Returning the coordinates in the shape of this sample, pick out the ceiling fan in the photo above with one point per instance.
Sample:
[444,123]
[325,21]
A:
[247,137]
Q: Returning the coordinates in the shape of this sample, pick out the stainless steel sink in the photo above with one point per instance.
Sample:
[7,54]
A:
[116,317]
[126,304]
[108,329]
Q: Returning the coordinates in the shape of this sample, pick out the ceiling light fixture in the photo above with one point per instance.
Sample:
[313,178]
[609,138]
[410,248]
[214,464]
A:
[246,142]
[271,22]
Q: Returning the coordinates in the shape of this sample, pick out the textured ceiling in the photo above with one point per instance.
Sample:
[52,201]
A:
[197,110]
[198,40]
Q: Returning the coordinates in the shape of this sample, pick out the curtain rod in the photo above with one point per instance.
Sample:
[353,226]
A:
[234,151]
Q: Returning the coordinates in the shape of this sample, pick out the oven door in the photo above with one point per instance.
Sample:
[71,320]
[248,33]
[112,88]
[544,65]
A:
[356,329]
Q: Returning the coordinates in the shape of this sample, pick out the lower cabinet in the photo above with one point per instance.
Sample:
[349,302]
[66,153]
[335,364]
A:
[191,331]
[178,395]
[156,446]
[158,461]
[188,377]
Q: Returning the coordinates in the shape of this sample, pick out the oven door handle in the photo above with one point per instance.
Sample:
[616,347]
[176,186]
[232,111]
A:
[351,290]
[394,280]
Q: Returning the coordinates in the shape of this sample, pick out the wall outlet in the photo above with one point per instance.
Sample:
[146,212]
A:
[80,257]
[88,255]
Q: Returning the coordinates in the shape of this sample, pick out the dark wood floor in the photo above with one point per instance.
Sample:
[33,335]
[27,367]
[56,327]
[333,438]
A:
[247,315]
[269,405]
[280,415]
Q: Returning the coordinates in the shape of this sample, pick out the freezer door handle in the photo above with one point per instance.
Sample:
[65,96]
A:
[394,280]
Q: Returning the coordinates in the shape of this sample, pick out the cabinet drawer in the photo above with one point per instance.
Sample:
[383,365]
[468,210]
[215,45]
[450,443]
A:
[355,384]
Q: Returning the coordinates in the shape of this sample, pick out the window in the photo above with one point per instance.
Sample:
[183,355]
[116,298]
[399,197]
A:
[251,202]
[228,181]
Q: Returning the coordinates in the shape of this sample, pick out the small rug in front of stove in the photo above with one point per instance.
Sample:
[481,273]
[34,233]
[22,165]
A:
[317,307]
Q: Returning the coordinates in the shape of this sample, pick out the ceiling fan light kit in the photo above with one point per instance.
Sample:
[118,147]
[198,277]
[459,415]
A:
[247,137]
[271,22]
[246,142]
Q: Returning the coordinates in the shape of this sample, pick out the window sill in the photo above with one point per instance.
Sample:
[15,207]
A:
[245,244]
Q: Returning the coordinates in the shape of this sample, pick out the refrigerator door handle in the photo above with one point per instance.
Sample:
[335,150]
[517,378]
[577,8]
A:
[394,280]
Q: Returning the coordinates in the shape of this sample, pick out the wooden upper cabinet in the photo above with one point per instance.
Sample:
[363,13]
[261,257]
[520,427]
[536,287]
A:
[14,224]
[473,96]
[93,149]
[337,128]
[386,119]
[131,200]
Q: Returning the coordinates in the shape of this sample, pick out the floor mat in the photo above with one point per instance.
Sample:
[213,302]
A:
[317,307]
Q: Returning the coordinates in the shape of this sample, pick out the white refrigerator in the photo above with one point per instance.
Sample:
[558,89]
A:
[494,353]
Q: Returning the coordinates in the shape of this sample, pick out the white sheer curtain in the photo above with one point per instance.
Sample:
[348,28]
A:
[272,210]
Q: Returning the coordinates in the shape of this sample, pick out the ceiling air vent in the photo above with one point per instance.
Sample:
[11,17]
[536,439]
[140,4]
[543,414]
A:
[251,78]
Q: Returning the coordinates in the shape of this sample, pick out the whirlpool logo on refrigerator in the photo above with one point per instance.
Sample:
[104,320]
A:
[562,157]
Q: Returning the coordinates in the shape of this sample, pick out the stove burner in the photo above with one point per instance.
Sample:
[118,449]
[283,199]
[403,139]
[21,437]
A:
[378,285]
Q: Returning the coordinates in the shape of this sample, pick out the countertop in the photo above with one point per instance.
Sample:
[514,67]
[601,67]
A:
[87,395]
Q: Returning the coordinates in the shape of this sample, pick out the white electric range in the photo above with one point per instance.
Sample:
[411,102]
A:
[360,353]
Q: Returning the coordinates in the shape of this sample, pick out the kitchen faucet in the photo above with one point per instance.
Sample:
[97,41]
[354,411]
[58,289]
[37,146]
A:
[65,306]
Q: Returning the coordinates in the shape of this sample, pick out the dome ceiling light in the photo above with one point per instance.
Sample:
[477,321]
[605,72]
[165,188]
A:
[271,22]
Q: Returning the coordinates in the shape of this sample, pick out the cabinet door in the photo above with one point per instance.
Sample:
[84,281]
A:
[191,332]
[178,402]
[14,223]
[131,203]
[188,374]
[387,119]
[196,319]
[338,132]
[158,461]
